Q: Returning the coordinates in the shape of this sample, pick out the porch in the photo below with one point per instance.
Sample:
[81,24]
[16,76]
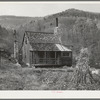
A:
[45,57]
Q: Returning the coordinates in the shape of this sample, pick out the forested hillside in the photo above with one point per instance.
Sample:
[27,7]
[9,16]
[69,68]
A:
[6,39]
[78,28]
[12,22]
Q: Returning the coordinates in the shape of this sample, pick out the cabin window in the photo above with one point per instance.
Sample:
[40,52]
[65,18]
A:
[66,54]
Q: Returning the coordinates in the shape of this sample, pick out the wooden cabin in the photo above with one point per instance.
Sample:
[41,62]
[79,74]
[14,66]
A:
[44,49]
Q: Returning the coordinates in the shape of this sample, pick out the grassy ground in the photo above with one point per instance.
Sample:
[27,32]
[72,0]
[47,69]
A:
[17,78]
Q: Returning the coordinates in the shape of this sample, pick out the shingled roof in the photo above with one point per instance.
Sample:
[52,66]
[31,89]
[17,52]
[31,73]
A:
[41,37]
[43,41]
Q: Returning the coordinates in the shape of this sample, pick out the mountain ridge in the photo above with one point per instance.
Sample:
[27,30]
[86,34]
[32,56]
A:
[22,20]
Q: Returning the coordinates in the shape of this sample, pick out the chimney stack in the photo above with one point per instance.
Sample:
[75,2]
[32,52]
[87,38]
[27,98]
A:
[15,45]
[56,22]
[56,28]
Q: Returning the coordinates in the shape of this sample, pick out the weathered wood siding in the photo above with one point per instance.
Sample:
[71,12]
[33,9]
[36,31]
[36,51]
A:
[26,51]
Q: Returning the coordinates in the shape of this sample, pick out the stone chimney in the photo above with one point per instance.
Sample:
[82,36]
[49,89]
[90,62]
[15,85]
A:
[57,32]
[56,22]
[15,45]
[56,28]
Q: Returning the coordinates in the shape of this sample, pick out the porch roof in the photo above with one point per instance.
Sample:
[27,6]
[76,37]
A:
[48,47]
[62,48]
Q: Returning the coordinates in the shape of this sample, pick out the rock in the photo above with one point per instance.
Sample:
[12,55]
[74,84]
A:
[28,64]
[17,64]
[95,72]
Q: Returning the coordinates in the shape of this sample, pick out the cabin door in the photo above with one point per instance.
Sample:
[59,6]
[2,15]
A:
[50,57]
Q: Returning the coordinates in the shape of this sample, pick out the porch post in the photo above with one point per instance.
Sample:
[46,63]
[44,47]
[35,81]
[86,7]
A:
[55,58]
[45,57]
[30,56]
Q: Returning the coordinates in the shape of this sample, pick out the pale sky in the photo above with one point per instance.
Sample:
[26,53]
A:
[38,9]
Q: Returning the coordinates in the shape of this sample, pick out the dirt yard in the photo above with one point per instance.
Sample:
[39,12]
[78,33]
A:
[17,78]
